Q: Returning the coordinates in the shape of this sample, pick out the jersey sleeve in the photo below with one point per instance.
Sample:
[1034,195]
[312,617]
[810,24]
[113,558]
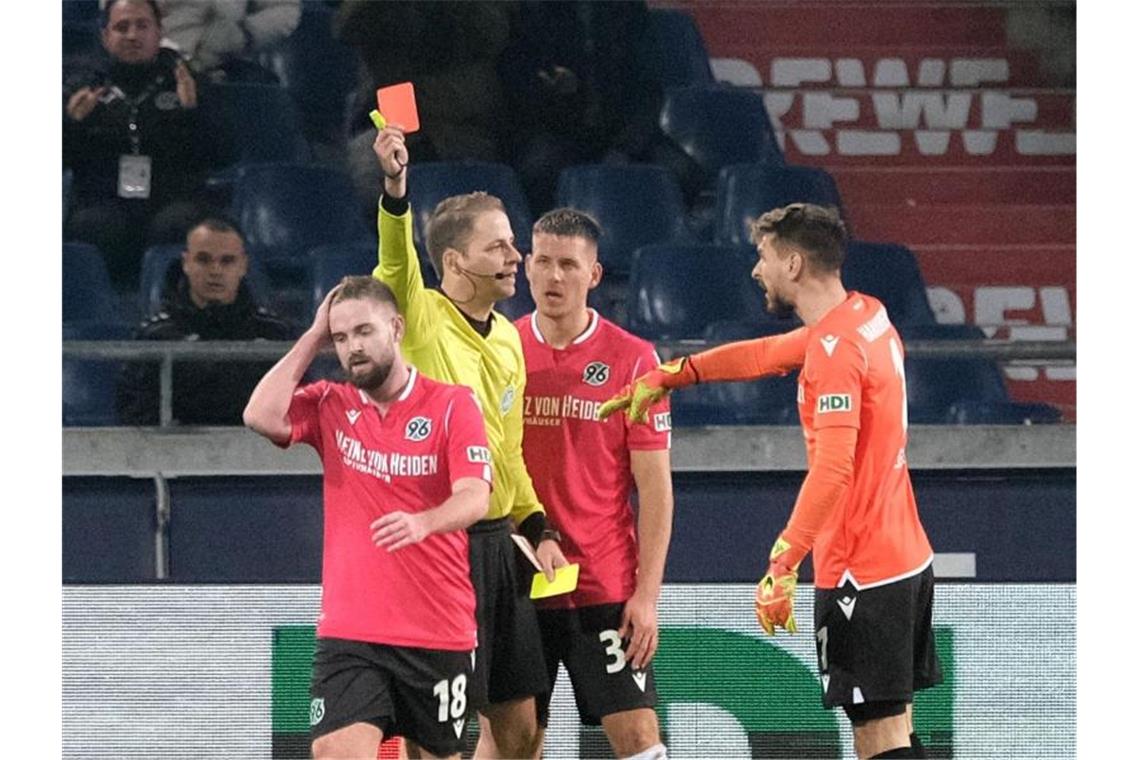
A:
[305,414]
[836,368]
[398,267]
[467,453]
[525,502]
[657,434]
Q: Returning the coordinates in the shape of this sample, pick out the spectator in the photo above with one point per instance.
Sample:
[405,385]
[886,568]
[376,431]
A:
[219,37]
[209,301]
[448,50]
[575,90]
[132,137]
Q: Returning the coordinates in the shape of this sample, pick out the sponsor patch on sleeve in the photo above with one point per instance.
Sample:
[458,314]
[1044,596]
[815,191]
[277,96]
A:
[833,402]
[478,454]
[663,422]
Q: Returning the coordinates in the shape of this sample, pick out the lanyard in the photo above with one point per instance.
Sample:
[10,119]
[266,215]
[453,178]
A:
[133,116]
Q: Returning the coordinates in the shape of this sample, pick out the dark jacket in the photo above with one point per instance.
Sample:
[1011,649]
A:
[172,136]
[205,392]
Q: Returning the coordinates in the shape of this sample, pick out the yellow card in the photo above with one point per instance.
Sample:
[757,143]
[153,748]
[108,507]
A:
[565,581]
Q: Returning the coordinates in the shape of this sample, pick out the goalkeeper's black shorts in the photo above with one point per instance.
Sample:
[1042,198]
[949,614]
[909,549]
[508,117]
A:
[876,644]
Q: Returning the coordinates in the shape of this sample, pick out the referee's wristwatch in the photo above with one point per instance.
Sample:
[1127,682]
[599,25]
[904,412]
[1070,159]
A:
[549,534]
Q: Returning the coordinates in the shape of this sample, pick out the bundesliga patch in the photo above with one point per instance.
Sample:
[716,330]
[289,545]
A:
[833,402]
[507,400]
[478,454]
[663,422]
[418,429]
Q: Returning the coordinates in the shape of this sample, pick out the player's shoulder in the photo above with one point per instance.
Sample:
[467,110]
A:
[617,338]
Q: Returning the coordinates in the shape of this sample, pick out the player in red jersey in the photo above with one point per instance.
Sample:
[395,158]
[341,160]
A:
[856,511]
[406,470]
[604,632]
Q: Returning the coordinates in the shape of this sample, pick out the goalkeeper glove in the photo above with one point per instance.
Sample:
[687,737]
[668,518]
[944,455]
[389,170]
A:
[777,590]
[650,388]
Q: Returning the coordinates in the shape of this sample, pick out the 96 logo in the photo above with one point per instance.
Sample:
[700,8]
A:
[596,373]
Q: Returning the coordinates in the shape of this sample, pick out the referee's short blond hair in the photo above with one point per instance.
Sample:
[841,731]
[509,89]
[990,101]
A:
[452,222]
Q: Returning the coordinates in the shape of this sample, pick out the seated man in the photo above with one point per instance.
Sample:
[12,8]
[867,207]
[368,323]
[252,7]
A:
[133,138]
[210,301]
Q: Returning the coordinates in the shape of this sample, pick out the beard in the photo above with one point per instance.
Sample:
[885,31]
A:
[373,378]
[778,306]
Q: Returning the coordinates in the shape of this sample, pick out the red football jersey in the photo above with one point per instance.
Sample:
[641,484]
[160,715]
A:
[580,465]
[853,376]
[431,436]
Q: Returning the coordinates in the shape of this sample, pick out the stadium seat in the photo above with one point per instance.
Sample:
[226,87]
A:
[676,291]
[745,191]
[672,52]
[965,391]
[890,273]
[328,264]
[717,126]
[431,182]
[80,36]
[87,291]
[89,384]
[770,401]
[286,210]
[636,205]
[253,123]
[318,71]
[68,180]
[161,266]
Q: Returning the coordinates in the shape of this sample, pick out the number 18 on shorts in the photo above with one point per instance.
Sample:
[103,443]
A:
[417,693]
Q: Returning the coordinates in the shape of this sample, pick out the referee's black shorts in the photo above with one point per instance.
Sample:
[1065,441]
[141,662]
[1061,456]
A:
[876,645]
[508,661]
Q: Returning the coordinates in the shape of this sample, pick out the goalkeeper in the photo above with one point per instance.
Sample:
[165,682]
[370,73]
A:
[874,584]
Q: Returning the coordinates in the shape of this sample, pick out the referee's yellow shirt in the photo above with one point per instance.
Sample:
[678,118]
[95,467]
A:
[442,344]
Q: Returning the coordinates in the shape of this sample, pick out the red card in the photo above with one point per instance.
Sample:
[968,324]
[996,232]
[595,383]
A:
[397,103]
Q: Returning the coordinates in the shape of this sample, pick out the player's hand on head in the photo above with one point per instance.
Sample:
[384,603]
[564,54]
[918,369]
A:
[396,530]
[320,326]
[639,627]
[550,556]
[391,150]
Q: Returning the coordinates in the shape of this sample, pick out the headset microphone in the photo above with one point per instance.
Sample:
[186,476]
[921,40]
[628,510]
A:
[495,276]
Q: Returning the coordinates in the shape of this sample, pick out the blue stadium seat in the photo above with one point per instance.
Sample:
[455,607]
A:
[89,384]
[636,205]
[253,123]
[68,180]
[672,52]
[285,210]
[87,291]
[770,401]
[745,191]
[890,273]
[318,70]
[328,264]
[431,182]
[676,291]
[717,126]
[161,266]
[962,390]
[80,36]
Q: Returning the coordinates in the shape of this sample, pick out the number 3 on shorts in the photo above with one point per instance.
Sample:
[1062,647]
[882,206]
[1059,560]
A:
[458,694]
[613,649]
